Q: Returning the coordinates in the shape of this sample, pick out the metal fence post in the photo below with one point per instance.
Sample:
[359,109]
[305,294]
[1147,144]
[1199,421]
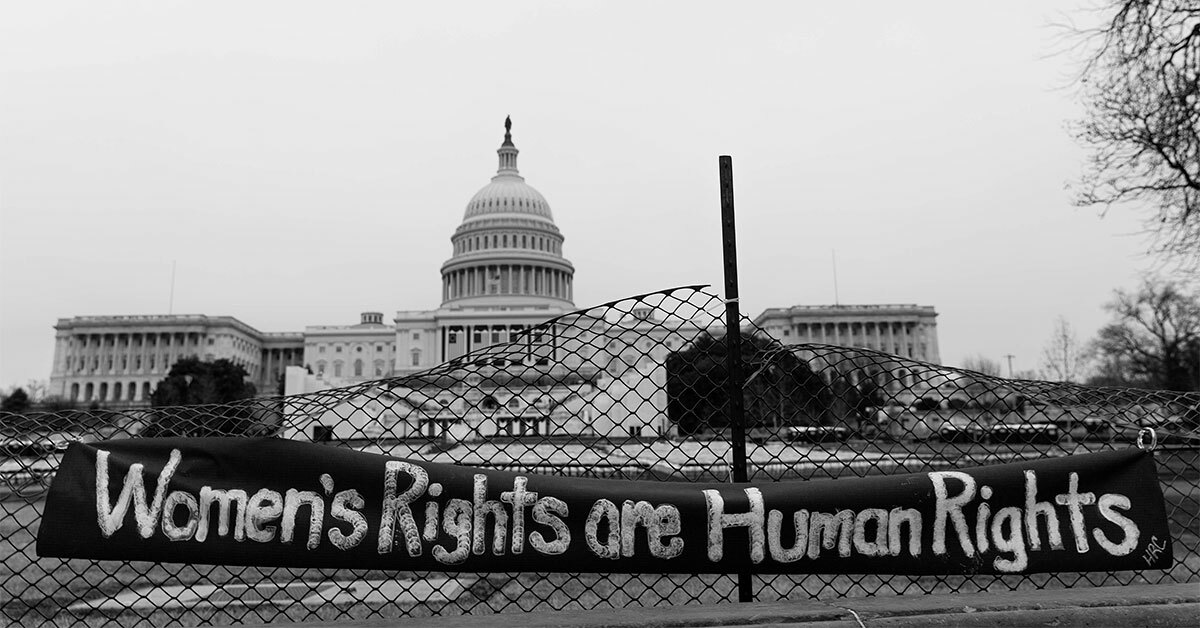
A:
[733,340]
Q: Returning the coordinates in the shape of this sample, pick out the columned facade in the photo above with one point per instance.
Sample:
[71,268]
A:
[119,360]
[908,331]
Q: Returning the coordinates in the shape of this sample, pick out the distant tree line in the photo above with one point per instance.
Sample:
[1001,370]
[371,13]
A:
[199,398]
[781,390]
[1152,341]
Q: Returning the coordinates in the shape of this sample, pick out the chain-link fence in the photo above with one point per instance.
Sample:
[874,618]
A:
[636,389]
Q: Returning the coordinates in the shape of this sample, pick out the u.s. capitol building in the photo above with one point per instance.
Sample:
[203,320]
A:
[506,273]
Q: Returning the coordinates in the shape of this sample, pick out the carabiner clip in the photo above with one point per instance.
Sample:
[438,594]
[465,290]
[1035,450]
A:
[1141,439]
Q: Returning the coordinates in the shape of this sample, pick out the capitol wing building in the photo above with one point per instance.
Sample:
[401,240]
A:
[506,276]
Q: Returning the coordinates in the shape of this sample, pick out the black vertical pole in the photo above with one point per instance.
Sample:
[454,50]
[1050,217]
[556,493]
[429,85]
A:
[733,342]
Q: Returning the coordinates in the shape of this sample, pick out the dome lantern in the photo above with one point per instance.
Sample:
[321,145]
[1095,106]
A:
[508,152]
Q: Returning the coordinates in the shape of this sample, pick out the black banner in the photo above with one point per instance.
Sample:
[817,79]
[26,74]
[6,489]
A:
[272,502]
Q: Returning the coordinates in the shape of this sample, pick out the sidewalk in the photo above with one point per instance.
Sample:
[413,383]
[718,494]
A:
[1140,605]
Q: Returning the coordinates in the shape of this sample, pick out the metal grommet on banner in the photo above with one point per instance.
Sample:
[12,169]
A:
[1141,439]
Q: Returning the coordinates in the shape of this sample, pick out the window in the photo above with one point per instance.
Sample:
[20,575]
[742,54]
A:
[378,348]
[416,335]
[477,337]
[321,349]
[378,368]
[358,349]
[358,366]
[514,403]
[211,341]
[321,367]
[453,339]
[337,349]
[416,358]
[337,369]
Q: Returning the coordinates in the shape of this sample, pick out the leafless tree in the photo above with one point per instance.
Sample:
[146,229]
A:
[1140,86]
[37,389]
[1155,340]
[1064,358]
[981,364]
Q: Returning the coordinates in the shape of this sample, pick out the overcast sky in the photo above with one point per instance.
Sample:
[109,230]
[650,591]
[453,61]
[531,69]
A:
[303,162]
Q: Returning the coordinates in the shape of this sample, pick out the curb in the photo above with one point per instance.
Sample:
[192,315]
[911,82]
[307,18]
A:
[1134,605]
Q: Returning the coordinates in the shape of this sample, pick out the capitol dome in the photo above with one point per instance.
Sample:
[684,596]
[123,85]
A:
[507,251]
[508,194]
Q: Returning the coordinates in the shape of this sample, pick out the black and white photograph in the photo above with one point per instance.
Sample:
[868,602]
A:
[599,313]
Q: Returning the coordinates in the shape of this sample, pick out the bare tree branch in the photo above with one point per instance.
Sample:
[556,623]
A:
[1141,91]
[1155,340]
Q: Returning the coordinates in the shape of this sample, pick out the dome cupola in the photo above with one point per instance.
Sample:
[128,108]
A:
[508,193]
